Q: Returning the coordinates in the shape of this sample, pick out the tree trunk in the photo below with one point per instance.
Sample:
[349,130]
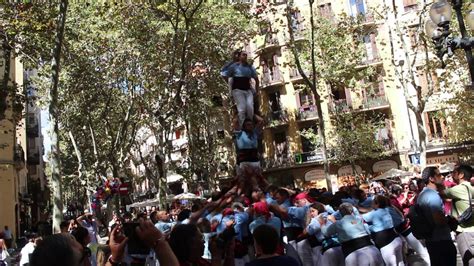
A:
[421,99]
[312,84]
[56,185]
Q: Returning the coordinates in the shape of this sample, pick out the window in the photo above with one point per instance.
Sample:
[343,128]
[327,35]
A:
[31,119]
[279,137]
[370,46]
[32,169]
[410,5]
[325,10]
[274,101]
[306,144]
[424,83]
[338,92]
[414,37]
[306,98]
[357,7]
[31,143]
[280,144]
[296,21]
[435,125]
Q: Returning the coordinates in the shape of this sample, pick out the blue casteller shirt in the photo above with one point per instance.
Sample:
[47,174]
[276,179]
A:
[348,228]
[293,220]
[297,215]
[164,227]
[269,199]
[314,228]
[378,220]
[430,201]
[226,67]
[273,221]
[338,215]
[247,141]
[241,222]
[241,70]
[397,217]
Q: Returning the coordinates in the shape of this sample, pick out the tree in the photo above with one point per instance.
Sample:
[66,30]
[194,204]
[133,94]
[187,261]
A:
[53,119]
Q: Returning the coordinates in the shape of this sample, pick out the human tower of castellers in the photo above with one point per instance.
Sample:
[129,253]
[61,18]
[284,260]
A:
[426,221]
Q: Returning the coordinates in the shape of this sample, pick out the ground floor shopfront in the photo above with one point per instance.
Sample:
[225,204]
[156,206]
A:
[312,174]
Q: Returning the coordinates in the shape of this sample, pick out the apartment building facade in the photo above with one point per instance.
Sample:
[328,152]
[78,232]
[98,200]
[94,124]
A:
[289,158]
[37,188]
[13,171]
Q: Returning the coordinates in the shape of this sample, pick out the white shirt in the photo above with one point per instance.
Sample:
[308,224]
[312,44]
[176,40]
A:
[25,253]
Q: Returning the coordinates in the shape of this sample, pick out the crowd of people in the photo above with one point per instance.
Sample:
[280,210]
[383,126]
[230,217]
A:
[365,225]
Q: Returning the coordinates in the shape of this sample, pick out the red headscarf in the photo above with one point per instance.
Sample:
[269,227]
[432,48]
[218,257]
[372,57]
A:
[303,195]
[227,211]
[261,208]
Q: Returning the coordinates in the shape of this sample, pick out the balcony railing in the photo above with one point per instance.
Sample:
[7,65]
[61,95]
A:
[281,158]
[271,77]
[295,74]
[19,157]
[299,34]
[437,139]
[385,139]
[271,40]
[375,101]
[340,105]
[32,130]
[277,118]
[366,18]
[374,59]
[307,112]
[33,157]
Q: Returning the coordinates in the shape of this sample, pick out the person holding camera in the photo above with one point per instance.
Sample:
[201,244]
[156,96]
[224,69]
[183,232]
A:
[462,195]
[91,224]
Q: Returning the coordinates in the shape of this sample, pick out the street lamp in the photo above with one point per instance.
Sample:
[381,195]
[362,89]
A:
[438,29]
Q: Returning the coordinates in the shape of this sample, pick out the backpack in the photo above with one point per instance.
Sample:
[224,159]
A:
[421,226]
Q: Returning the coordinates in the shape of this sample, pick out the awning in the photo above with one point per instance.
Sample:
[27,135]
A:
[392,173]
[150,202]
[173,177]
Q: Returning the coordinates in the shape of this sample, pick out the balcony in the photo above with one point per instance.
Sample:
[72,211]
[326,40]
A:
[270,42]
[384,137]
[299,34]
[375,102]
[277,118]
[374,59]
[271,78]
[295,75]
[436,140]
[33,157]
[307,113]
[19,157]
[32,129]
[366,18]
[340,105]
[281,157]
[309,157]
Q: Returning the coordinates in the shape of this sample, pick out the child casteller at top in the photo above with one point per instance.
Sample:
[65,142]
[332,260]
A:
[239,74]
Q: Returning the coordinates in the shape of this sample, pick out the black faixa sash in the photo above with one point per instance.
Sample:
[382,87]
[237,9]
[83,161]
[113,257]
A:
[354,244]
[247,155]
[383,238]
[241,83]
